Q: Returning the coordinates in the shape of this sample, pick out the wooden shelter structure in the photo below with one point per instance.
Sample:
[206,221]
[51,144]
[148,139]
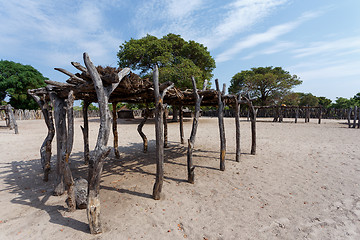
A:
[111,85]
[10,118]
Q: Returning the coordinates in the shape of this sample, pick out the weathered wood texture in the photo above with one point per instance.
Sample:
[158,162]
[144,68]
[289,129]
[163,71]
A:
[237,127]
[140,131]
[101,149]
[191,140]
[159,112]
[11,119]
[45,149]
[115,131]
[181,124]
[85,131]
[166,114]
[221,105]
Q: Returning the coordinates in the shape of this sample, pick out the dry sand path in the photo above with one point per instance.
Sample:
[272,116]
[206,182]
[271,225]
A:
[302,184]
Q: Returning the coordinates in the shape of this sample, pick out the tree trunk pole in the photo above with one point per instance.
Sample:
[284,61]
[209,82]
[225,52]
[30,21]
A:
[115,131]
[61,136]
[191,140]
[45,150]
[253,127]
[349,117]
[159,111]
[139,129]
[85,131]
[320,114]
[221,125]
[165,114]
[101,149]
[181,116]
[296,114]
[12,121]
[355,116]
[237,125]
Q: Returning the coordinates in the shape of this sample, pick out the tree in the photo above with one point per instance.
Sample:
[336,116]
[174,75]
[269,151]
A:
[342,102]
[177,59]
[307,99]
[15,80]
[324,102]
[268,84]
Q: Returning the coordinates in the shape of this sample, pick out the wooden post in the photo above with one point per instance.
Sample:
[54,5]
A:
[11,119]
[101,149]
[296,114]
[320,114]
[139,129]
[281,114]
[64,145]
[85,131]
[253,125]
[237,125]
[355,116]
[45,150]
[191,140]
[115,131]
[181,124]
[159,111]
[61,137]
[221,106]
[165,114]
[70,120]
[349,117]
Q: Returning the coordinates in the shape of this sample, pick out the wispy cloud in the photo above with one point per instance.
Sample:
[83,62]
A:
[268,36]
[276,48]
[338,46]
[239,17]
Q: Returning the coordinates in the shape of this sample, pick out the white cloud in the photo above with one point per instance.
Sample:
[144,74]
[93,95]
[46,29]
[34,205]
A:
[339,46]
[63,29]
[276,48]
[241,15]
[268,36]
[182,8]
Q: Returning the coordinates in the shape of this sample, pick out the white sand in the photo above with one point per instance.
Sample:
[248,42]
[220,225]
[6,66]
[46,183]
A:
[303,183]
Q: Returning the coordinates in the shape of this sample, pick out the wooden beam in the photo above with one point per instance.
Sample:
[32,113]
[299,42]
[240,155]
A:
[221,105]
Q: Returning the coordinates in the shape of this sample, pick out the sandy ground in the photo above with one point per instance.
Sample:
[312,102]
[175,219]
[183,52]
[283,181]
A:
[302,184]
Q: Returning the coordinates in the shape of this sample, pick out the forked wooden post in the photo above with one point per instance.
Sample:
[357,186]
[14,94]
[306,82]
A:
[237,125]
[139,129]
[115,131]
[101,149]
[221,105]
[45,150]
[191,140]
[159,111]
[85,131]
[181,124]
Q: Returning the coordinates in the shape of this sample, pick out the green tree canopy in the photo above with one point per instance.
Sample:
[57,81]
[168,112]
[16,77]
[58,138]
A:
[15,80]
[268,84]
[177,59]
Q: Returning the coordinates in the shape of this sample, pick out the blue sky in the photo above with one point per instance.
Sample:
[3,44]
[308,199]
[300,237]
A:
[318,40]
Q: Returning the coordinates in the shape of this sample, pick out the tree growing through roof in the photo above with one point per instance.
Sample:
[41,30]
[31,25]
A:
[268,84]
[177,59]
[15,80]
